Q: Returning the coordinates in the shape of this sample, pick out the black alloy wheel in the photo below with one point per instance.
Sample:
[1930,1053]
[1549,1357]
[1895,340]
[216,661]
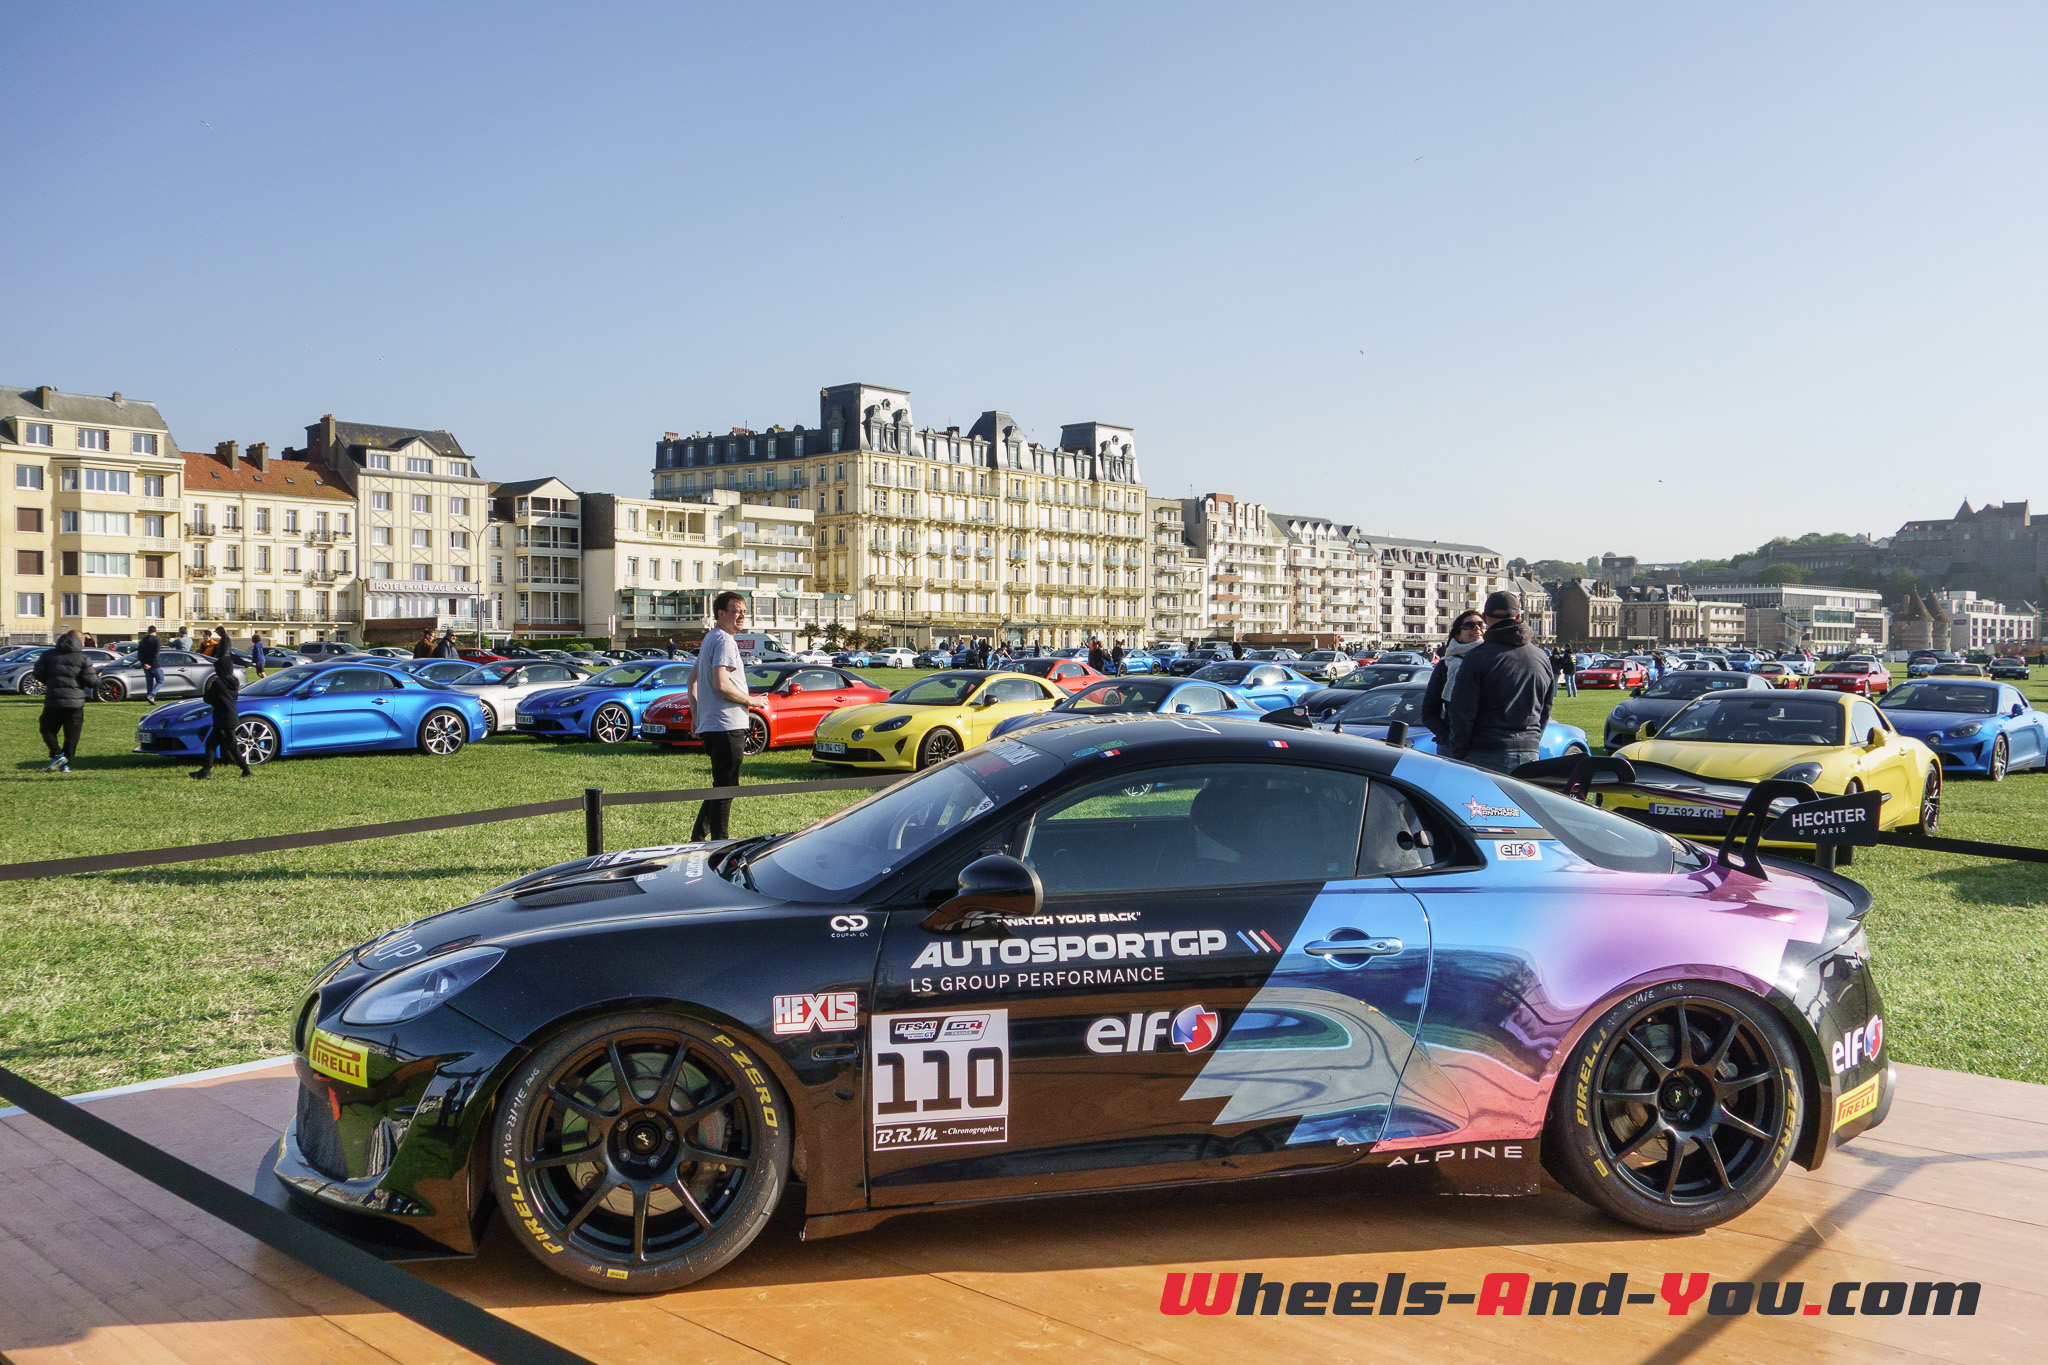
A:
[2001,759]
[613,724]
[756,741]
[1930,802]
[256,738]
[111,689]
[443,733]
[940,745]
[1679,1108]
[640,1152]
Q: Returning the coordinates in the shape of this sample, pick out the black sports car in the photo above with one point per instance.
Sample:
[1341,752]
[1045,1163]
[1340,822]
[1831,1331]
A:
[1112,952]
[1327,699]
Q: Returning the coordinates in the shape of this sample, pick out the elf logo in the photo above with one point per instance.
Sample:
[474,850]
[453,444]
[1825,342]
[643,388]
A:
[1858,1045]
[1193,1029]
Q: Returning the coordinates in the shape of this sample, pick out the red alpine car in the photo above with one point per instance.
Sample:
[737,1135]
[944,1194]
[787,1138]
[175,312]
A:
[1865,676]
[482,656]
[786,702]
[1615,673]
[1069,675]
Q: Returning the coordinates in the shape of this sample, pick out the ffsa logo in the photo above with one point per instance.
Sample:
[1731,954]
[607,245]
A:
[1193,1029]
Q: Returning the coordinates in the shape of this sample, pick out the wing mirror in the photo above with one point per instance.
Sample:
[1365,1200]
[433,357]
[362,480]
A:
[994,890]
[1649,728]
[2018,709]
[315,687]
[1635,691]
[1874,739]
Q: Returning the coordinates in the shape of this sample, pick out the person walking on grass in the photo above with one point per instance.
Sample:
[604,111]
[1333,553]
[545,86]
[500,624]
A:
[718,709]
[66,676]
[1496,708]
[222,693]
[1568,672]
[146,651]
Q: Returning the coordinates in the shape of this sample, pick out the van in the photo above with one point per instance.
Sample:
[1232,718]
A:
[760,649]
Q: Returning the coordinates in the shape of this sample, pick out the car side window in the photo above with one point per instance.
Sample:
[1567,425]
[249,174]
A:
[1199,824]
[675,675]
[1863,717]
[816,680]
[1265,676]
[359,680]
[1202,699]
[1014,689]
[1401,836]
[170,659]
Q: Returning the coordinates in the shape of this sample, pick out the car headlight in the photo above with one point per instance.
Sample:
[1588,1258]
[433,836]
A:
[1962,730]
[1808,773]
[409,993]
[892,724]
[1621,715]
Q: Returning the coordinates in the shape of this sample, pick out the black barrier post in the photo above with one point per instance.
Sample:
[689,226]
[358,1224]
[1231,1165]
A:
[593,821]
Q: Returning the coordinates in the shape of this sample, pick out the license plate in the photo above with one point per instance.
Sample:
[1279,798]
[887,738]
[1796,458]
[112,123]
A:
[647,729]
[1680,812]
[521,718]
[829,746]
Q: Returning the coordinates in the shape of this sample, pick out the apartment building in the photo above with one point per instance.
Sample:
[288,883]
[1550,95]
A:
[1806,615]
[421,517]
[1239,556]
[543,521]
[1331,578]
[1175,616]
[1979,623]
[90,522]
[1589,613]
[269,546]
[944,534]
[656,564]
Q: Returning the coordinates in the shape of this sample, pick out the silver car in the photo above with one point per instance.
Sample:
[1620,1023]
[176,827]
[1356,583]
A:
[502,686]
[184,676]
[18,674]
[1326,664]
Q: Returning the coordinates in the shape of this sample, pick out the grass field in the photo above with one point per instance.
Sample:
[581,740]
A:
[125,976]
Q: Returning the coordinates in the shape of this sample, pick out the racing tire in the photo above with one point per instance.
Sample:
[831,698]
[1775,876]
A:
[612,724]
[2001,760]
[938,746]
[256,739]
[757,739]
[687,1158]
[1678,1109]
[1930,802]
[442,734]
[111,689]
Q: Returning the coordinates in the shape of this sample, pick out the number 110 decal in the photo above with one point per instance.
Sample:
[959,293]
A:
[941,1080]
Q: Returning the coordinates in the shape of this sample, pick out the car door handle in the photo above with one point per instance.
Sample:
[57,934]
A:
[376,701]
[1354,947]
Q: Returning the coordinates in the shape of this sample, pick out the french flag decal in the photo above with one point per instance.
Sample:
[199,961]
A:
[1277,743]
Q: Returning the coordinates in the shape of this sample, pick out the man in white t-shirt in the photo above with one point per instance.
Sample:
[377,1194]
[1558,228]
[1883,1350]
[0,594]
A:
[718,708]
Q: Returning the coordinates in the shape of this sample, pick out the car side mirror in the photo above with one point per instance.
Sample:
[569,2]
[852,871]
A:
[1649,728]
[994,890]
[1874,738]
[1635,691]
[315,688]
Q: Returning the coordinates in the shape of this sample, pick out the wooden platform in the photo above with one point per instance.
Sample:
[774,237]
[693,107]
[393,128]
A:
[96,1265]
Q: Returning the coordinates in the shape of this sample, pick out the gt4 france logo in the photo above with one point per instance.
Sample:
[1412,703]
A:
[834,1012]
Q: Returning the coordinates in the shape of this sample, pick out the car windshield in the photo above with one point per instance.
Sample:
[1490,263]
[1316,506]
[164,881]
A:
[844,854]
[1959,671]
[1932,696]
[1036,667]
[1684,687]
[1385,705]
[1322,656]
[279,683]
[1376,675]
[622,675]
[1846,666]
[487,673]
[941,689]
[1223,673]
[1762,717]
[766,679]
[1135,694]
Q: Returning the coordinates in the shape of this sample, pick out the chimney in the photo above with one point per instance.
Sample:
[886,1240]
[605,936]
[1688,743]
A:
[260,453]
[330,439]
[46,398]
[670,436]
[225,452]
[117,395]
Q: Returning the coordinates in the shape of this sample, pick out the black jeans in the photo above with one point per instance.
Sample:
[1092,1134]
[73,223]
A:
[220,739]
[725,748]
[69,720]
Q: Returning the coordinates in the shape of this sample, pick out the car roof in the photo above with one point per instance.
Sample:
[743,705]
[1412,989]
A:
[1123,740]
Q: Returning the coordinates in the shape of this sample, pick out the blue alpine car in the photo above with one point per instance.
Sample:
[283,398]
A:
[1268,686]
[1371,713]
[1141,696]
[606,708]
[356,705]
[1973,725]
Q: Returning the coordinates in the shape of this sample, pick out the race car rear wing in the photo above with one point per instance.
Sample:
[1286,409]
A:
[1779,809]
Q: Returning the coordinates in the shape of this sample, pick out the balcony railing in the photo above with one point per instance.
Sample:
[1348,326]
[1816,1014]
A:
[198,571]
[158,505]
[159,543]
[199,529]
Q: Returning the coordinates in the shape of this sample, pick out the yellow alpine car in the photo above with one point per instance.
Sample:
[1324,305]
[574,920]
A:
[1694,771]
[930,720]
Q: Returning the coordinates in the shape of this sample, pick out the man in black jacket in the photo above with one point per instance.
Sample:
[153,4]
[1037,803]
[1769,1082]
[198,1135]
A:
[1500,699]
[66,676]
[223,693]
[146,650]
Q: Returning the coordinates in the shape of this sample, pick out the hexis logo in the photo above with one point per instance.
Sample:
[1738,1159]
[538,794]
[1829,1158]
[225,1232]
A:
[1194,1028]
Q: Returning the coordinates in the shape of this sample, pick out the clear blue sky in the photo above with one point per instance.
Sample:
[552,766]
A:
[1477,272]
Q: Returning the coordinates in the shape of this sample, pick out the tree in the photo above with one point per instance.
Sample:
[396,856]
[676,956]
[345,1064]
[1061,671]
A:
[1781,572]
[834,632]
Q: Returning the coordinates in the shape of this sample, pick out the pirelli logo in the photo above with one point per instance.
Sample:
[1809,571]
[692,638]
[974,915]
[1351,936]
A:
[338,1058]
[1854,1105]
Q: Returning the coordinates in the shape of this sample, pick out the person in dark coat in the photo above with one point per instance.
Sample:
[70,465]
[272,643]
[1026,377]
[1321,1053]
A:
[447,649]
[1500,700]
[1116,660]
[1465,636]
[222,693]
[256,655]
[67,679]
[146,651]
[1097,660]
[423,648]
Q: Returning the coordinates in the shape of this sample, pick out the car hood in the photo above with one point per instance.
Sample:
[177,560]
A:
[576,696]
[1640,709]
[875,712]
[1729,762]
[1918,723]
[180,713]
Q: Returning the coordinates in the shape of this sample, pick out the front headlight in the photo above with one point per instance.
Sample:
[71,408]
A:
[1961,730]
[1808,773]
[412,992]
[892,724]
